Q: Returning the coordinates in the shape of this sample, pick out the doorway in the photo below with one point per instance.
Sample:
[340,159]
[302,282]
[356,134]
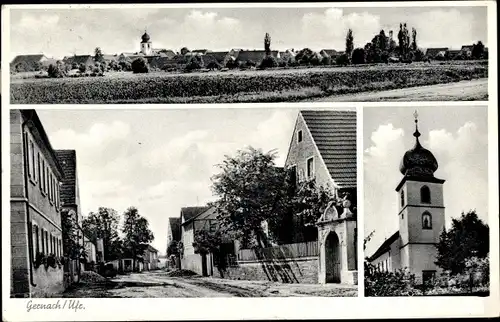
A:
[332,258]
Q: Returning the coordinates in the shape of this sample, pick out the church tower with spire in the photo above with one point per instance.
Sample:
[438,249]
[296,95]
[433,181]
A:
[146,44]
[421,210]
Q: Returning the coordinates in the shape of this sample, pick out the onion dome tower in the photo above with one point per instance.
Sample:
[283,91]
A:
[146,44]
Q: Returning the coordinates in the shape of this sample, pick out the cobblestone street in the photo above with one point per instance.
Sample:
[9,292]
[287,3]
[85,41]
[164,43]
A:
[158,284]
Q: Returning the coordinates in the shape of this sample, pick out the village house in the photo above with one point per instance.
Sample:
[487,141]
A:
[35,219]
[79,60]
[189,226]
[434,53]
[151,258]
[323,148]
[70,208]
[255,56]
[421,217]
[26,63]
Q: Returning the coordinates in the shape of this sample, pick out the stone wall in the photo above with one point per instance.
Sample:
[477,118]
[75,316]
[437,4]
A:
[301,270]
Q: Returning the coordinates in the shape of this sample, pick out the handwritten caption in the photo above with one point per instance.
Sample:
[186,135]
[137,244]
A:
[75,305]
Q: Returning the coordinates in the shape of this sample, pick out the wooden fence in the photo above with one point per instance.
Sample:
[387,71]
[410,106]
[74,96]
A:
[287,251]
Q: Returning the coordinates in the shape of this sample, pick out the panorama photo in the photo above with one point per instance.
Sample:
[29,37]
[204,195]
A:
[226,55]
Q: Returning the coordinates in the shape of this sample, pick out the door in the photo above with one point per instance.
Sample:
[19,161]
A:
[332,258]
[204,271]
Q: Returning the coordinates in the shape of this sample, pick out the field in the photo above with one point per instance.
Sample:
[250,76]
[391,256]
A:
[278,85]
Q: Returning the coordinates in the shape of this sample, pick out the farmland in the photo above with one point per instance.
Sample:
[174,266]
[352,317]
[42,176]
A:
[277,85]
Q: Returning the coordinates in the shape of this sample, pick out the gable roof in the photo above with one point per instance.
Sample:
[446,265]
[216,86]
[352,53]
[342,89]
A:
[190,212]
[254,55]
[334,133]
[329,52]
[219,56]
[79,59]
[175,227]
[28,59]
[434,51]
[67,160]
[208,214]
[384,247]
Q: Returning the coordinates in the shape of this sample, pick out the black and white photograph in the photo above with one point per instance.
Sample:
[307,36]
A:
[126,55]
[225,203]
[426,201]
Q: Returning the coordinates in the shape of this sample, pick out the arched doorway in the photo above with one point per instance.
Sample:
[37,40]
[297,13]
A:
[332,258]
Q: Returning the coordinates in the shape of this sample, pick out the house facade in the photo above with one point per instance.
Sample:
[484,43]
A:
[151,258]
[35,219]
[70,208]
[421,217]
[26,63]
[323,148]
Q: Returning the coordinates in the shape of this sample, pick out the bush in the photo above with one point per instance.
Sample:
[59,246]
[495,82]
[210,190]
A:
[126,66]
[55,71]
[140,66]
[326,61]
[358,56]
[232,64]
[268,62]
[195,62]
[250,63]
[399,283]
[342,60]
[82,68]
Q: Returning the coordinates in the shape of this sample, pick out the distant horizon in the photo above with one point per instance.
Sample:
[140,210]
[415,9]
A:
[65,32]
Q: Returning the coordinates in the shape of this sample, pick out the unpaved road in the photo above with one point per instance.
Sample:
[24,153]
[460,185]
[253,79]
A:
[159,285]
[476,89]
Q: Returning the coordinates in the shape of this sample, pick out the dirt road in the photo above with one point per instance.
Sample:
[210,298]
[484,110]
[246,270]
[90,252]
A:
[159,285]
[476,89]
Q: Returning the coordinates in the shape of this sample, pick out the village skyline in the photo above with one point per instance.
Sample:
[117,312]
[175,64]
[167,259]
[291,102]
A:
[60,33]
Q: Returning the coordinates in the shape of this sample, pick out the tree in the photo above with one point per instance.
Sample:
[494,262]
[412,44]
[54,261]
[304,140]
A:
[98,56]
[173,248]
[358,56]
[391,43]
[140,65]
[349,44]
[137,234]
[267,44]
[414,46]
[249,190]
[268,62]
[368,238]
[56,71]
[195,62]
[478,50]
[104,225]
[468,237]
[70,235]
[184,51]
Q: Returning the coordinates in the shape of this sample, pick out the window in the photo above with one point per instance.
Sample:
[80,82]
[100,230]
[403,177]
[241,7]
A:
[34,239]
[299,136]
[39,168]
[310,168]
[402,198]
[425,194]
[42,181]
[51,196]
[42,238]
[47,249]
[426,220]
[428,276]
[31,164]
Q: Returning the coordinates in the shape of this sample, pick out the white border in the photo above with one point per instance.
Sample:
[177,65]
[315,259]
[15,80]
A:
[268,308]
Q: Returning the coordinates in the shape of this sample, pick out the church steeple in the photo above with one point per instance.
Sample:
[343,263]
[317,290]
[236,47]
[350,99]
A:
[418,162]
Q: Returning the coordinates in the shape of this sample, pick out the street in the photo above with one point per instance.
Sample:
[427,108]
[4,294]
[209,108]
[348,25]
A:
[476,89]
[158,284]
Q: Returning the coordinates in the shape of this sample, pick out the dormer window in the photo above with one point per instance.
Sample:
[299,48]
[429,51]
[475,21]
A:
[425,194]
[299,136]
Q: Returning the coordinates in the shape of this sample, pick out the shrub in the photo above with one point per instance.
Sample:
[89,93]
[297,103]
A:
[55,71]
[125,65]
[82,68]
[398,283]
[342,60]
[268,62]
[213,65]
[250,63]
[74,65]
[326,61]
[140,65]
[195,62]
[358,56]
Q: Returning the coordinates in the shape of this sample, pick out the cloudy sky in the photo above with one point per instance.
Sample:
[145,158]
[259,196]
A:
[59,32]
[160,160]
[457,136]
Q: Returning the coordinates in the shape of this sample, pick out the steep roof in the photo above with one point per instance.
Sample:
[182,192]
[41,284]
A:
[210,213]
[434,51]
[254,55]
[175,227]
[79,59]
[329,52]
[190,212]
[334,133]
[67,160]
[219,56]
[27,59]
[385,246]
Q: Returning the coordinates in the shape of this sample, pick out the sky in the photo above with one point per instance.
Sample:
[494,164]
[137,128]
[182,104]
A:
[160,160]
[61,32]
[457,136]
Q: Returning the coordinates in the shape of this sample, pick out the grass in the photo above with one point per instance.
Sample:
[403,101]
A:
[279,85]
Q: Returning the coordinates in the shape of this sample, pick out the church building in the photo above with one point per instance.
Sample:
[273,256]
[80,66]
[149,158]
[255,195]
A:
[421,217]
